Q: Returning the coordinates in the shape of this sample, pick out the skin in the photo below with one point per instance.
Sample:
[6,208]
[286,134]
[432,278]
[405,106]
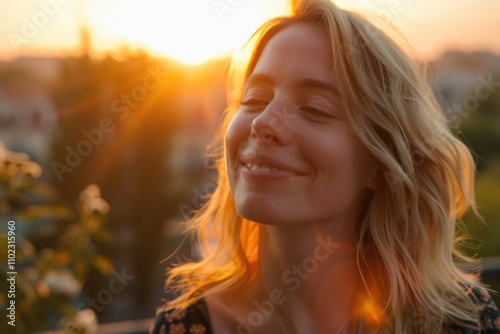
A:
[292,121]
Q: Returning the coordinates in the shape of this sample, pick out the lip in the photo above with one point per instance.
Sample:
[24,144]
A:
[282,170]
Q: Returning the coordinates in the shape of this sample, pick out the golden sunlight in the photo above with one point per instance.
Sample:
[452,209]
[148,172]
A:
[191,31]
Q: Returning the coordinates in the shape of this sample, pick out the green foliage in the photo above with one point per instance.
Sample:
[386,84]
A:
[480,130]
[488,198]
[49,276]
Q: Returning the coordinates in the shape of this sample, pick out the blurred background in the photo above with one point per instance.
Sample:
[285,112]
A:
[106,109]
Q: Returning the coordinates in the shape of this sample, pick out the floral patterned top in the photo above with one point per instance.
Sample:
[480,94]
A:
[196,320]
[490,317]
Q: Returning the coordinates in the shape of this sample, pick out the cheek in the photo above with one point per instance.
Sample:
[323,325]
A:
[341,161]
[361,170]
[364,164]
[236,134]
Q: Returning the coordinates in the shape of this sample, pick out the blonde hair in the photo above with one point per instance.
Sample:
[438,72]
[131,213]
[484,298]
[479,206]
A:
[408,252]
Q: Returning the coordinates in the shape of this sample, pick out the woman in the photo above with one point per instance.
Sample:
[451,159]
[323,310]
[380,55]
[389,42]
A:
[339,191]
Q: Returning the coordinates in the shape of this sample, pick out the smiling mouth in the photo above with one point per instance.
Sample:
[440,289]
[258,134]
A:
[260,168]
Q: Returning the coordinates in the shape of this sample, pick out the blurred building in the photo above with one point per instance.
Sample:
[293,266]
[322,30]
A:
[28,116]
[202,109]
[46,68]
[456,75]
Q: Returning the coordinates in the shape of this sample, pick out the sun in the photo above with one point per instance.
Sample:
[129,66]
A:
[191,31]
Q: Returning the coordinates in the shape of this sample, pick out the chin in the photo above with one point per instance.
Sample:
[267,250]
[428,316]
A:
[266,216]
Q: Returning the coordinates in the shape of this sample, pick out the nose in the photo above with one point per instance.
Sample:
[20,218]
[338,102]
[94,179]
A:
[272,125]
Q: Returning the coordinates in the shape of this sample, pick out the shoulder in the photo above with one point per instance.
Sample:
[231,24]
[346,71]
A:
[489,316]
[195,319]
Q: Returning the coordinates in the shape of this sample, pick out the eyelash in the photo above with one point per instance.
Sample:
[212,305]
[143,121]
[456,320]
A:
[315,112]
[310,110]
[253,103]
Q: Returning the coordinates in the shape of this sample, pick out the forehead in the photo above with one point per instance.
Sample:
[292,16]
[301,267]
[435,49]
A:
[298,51]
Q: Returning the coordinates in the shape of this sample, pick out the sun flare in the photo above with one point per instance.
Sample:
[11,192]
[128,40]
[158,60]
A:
[191,31]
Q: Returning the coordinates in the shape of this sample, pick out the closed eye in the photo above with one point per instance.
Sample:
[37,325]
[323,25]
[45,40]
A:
[315,112]
[253,102]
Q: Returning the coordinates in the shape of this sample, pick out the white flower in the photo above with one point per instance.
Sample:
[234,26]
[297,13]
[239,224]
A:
[33,169]
[87,319]
[90,192]
[62,282]
[92,201]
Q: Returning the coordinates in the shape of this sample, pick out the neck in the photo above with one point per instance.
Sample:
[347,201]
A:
[314,270]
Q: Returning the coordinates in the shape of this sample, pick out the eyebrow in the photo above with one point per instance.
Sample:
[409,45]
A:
[312,83]
[260,78]
[302,83]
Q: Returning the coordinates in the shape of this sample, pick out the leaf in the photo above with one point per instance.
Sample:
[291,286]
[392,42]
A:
[37,211]
[80,268]
[62,258]
[103,264]
[3,250]
[103,236]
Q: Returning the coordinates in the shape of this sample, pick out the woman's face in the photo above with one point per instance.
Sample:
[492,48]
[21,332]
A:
[292,157]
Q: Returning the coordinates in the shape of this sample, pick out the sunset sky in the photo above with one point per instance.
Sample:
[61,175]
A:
[193,31]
